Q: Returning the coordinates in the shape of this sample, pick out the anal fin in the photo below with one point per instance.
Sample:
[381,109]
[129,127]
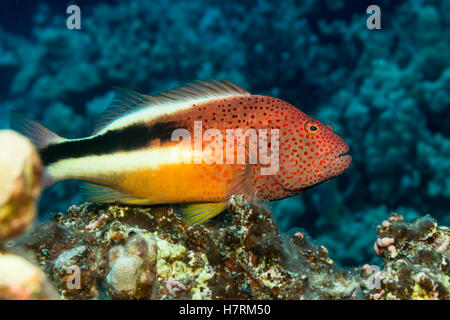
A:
[194,213]
[96,193]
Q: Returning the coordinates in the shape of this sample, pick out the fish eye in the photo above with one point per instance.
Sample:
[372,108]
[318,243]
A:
[311,127]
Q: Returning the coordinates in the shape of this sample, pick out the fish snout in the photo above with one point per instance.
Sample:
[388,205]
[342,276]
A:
[334,162]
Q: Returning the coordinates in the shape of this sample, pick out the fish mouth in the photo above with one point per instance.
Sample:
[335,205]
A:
[341,163]
[334,162]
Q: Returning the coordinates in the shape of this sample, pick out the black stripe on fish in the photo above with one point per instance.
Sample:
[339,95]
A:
[129,138]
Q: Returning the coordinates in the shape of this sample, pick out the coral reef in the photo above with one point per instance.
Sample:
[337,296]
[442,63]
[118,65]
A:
[133,268]
[149,253]
[416,257]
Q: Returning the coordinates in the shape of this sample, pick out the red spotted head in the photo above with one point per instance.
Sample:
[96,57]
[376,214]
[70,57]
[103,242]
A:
[310,153]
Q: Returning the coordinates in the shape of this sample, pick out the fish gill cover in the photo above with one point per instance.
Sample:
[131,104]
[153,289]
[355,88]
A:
[385,91]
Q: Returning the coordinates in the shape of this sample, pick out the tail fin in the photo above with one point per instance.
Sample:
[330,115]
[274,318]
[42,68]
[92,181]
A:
[37,133]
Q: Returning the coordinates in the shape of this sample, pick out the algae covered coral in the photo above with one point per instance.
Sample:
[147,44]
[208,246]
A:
[144,253]
[386,92]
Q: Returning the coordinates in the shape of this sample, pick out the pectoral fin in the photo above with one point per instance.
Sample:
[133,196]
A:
[243,184]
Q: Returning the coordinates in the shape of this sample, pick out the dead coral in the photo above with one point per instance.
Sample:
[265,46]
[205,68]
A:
[133,268]
[420,267]
[149,253]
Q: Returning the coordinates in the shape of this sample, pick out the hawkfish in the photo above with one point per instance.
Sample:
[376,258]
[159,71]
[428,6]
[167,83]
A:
[141,151]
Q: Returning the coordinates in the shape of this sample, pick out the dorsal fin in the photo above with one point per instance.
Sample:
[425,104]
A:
[123,101]
[39,135]
[126,100]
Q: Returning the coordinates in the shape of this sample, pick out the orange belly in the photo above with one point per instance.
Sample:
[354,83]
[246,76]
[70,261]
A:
[177,183]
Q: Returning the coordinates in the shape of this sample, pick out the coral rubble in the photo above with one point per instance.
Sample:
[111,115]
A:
[128,252]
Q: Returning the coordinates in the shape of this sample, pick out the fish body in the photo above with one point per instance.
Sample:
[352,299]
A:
[135,155]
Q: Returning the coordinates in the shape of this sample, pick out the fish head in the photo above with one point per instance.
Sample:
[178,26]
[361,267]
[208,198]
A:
[314,154]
